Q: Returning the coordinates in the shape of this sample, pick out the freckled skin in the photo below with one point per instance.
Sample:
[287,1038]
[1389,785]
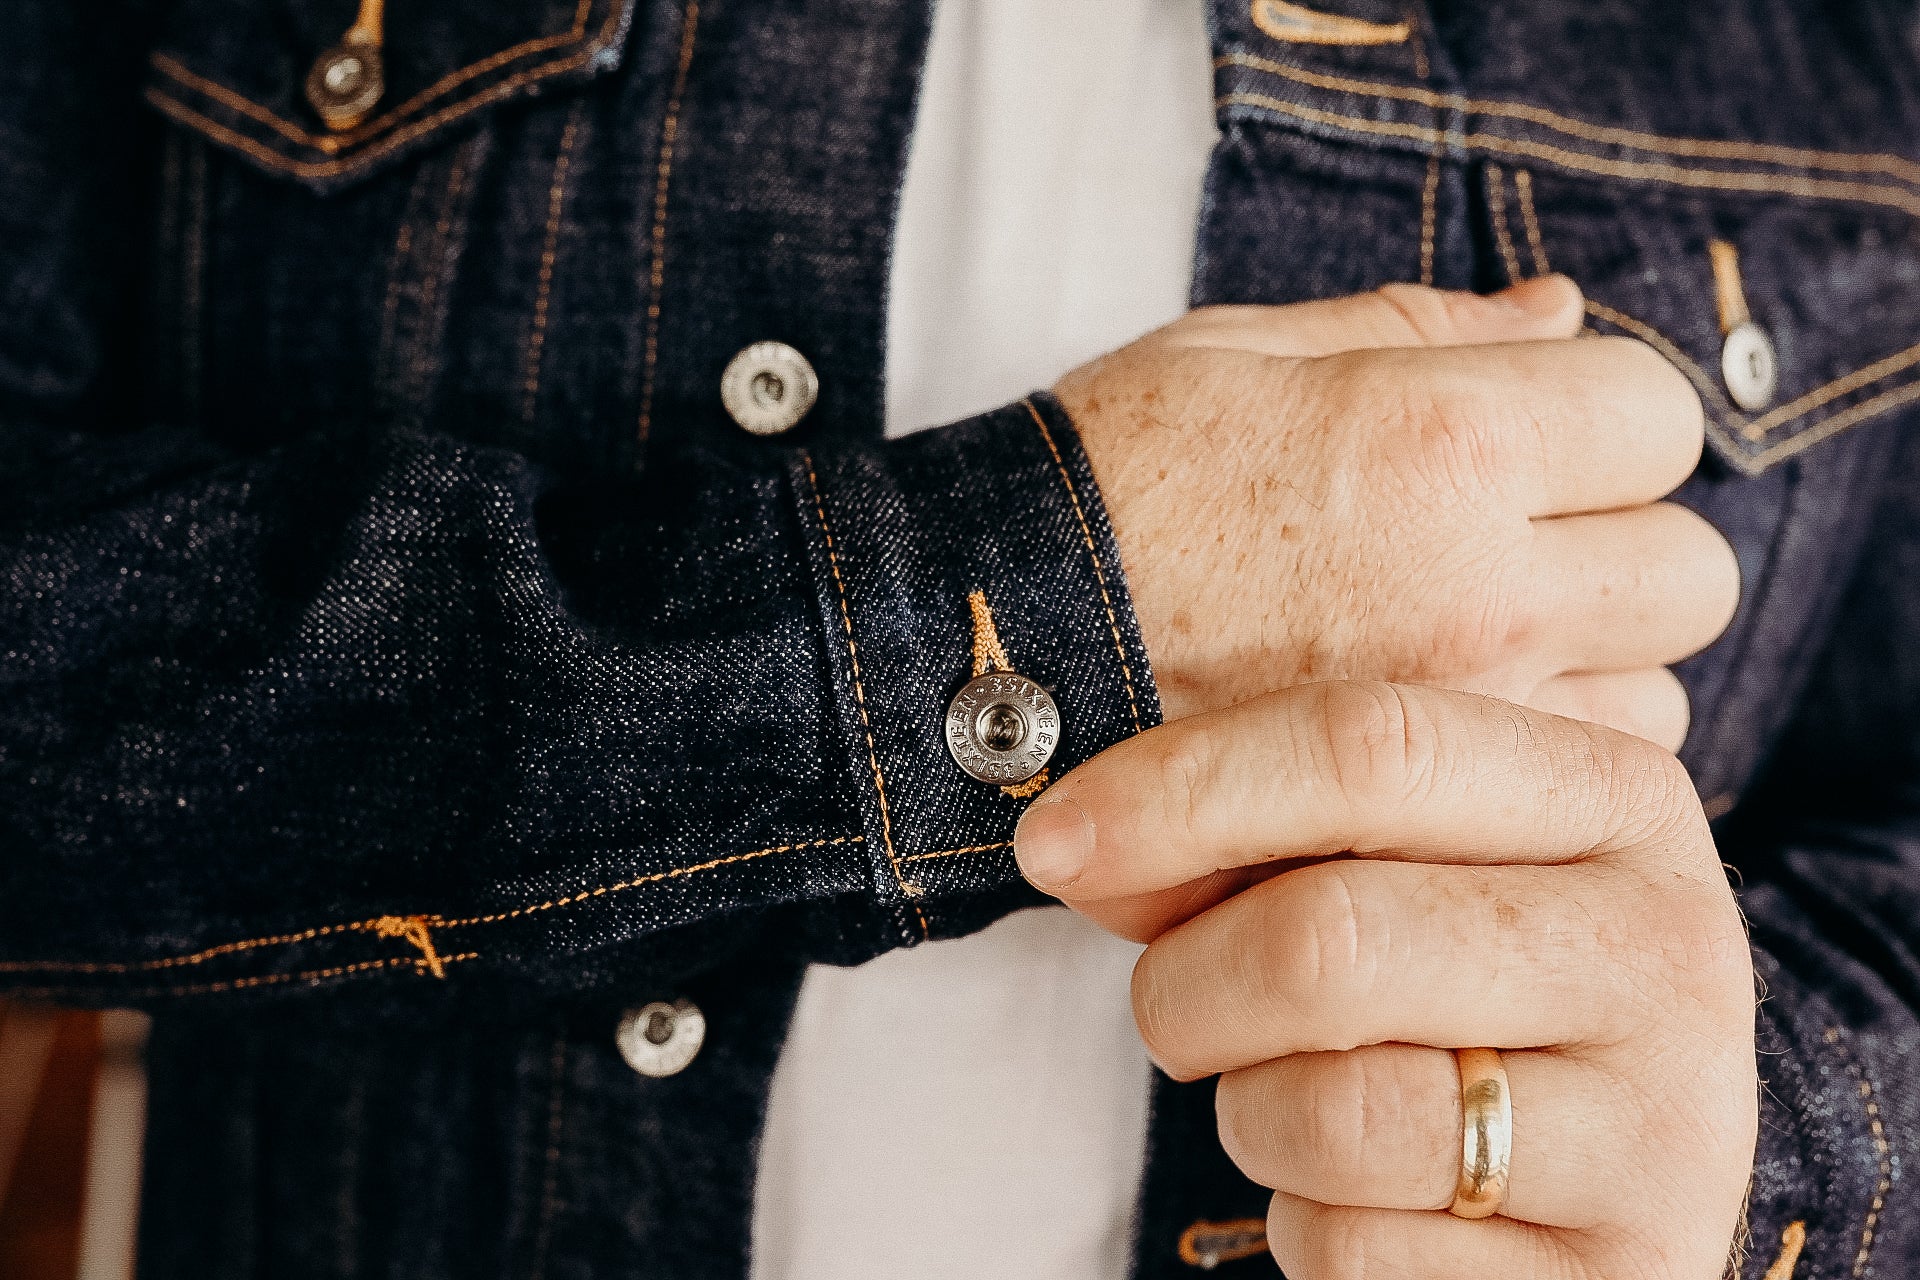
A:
[1350,490]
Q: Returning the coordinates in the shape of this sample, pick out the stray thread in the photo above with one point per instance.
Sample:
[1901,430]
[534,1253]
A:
[1208,1244]
[414,929]
[988,654]
[1792,1241]
[1297,24]
[1728,292]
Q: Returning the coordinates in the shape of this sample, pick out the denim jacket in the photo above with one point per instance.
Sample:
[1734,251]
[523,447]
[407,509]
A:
[405,664]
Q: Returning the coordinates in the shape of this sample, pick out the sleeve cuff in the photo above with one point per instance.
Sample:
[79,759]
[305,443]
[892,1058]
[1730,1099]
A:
[1004,505]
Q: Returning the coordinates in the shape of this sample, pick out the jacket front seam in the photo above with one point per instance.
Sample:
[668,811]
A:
[657,230]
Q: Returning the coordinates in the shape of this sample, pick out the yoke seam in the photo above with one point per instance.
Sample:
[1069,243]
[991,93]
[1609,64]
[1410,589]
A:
[1898,168]
[1665,172]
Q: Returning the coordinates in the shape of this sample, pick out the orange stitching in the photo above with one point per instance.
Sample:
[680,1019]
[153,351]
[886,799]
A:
[1208,1244]
[328,168]
[657,877]
[171,962]
[860,697]
[549,251]
[365,926]
[1885,402]
[1536,243]
[1031,787]
[1896,167]
[459,179]
[1706,179]
[1502,227]
[396,277]
[1093,552]
[1880,1146]
[988,655]
[952,853]
[657,271]
[1296,24]
[173,68]
[1421,67]
[414,929]
[1728,294]
[1838,387]
[84,968]
[1429,217]
[1792,1241]
[311,976]
[1882,403]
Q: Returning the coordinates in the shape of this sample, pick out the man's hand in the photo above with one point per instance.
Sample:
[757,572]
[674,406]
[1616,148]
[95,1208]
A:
[1441,871]
[1409,485]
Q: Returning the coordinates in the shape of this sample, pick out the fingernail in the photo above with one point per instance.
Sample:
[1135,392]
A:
[1543,296]
[1053,842]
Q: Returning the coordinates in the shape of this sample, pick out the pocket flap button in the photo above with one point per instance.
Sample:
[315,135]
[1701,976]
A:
[660,1039]
[768,388]
[1748,365]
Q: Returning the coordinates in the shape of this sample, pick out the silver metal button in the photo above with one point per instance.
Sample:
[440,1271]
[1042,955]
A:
[1747,363]
[345,82]
[768,388]
[1002,728]
[660,1039]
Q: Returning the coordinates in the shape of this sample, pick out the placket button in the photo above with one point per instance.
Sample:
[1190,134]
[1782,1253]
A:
[345,82]
[1002,728]
[768,388]
[660,1039]
[1747,364]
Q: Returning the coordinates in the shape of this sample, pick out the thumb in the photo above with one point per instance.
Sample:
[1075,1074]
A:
[1397,315]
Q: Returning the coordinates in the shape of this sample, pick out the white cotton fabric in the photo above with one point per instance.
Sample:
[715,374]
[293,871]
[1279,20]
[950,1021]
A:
[978,1107]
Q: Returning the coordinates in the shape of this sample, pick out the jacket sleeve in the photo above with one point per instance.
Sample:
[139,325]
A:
[384,706]
[1827,851]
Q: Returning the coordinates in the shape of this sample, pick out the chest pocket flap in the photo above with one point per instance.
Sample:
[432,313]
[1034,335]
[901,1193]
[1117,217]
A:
[325,92]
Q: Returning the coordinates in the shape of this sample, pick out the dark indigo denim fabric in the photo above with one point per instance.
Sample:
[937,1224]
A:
[405,665]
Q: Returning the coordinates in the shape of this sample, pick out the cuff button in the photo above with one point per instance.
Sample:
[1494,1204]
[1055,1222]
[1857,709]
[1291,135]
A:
[1002,728]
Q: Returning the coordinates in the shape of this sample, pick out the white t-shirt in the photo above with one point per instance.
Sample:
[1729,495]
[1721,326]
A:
[978,1107]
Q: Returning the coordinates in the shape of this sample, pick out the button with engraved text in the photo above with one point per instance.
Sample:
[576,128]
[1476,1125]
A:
[1002,728]
[768,388]
[1747,364]
[660,1039]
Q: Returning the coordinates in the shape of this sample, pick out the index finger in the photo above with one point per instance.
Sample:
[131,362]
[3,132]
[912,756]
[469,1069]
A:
[1376,770]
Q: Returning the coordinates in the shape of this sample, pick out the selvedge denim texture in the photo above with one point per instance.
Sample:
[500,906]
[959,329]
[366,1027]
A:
[404,665]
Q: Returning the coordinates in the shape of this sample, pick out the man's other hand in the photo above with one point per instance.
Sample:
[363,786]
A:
[1432,871]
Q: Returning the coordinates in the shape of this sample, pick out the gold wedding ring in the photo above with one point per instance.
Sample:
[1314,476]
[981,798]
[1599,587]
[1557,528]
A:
[1486,1134]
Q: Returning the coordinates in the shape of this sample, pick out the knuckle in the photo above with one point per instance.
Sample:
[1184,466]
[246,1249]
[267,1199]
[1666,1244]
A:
[1376,744]
[1323,961]
[1186,767]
